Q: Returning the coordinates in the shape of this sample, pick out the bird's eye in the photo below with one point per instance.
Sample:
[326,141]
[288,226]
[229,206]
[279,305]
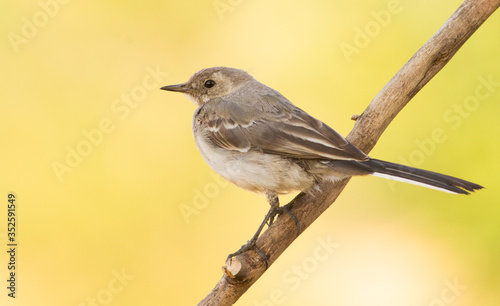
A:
[209,83]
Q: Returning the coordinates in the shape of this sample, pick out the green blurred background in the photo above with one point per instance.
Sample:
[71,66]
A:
[104,226]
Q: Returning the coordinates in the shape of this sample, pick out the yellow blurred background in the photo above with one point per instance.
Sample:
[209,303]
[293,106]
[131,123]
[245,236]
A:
[102,162]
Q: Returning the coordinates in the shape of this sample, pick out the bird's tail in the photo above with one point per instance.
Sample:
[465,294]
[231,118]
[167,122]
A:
[420,177]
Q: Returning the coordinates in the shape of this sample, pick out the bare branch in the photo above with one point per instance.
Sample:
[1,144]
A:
[244,270]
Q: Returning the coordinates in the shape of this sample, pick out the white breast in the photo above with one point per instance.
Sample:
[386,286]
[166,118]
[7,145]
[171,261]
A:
[252,170]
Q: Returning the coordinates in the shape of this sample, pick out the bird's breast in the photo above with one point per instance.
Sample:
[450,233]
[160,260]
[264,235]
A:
[253,170]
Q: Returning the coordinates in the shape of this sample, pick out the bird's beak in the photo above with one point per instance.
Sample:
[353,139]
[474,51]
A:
[178,88]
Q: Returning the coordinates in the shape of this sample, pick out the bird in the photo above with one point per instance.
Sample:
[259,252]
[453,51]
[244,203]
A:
[255,138]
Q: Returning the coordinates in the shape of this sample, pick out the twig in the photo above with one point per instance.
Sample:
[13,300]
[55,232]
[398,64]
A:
[244,270]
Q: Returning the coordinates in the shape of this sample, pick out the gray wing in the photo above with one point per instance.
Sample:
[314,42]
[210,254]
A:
[274,125]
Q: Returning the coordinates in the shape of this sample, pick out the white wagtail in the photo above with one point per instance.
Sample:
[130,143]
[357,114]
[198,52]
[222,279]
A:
[255,138]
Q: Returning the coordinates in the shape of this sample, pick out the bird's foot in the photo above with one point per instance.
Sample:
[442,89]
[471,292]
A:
[288,210]
[251,245]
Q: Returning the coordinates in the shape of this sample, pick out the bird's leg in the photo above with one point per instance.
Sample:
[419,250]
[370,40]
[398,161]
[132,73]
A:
[273,200]
[286,209]
[275,209]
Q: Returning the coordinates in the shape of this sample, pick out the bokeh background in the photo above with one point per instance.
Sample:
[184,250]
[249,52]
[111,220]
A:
[117,207]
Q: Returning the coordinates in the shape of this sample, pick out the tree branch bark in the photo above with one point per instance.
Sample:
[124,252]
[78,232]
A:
[244,270]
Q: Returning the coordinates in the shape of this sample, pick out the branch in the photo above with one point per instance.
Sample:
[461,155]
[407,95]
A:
[244,270]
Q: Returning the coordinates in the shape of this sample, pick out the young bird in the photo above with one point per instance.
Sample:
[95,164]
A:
[258,140]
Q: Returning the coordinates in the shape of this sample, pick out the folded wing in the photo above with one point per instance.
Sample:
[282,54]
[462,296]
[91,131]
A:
[275,127]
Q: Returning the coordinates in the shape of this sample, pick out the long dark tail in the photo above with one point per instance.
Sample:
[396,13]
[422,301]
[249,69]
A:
[421,177]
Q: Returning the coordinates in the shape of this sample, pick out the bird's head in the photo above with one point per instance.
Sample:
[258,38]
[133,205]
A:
[211,83]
